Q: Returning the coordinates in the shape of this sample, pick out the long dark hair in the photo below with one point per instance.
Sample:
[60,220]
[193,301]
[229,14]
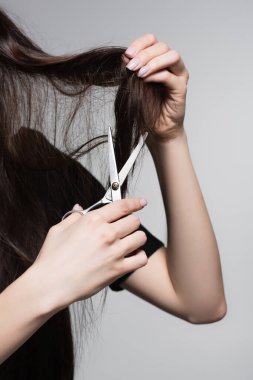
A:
[42,97]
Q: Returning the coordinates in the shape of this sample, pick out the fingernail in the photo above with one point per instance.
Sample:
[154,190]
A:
[142,71]
[131,51]
[143,202]
[133,64]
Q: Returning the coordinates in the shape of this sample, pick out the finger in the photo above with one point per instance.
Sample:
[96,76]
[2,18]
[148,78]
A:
[122,207]
[140,43]
[134,262]
[131,242]
[71,218]
[146,55]
[170,80]
[170,60]
[126,225]
[77,207]
[125,59]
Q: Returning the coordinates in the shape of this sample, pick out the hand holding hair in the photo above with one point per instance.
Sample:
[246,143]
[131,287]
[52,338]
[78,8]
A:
[155,61]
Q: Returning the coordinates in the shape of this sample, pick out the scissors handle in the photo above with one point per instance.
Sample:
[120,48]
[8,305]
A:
[70,212]
[95,206]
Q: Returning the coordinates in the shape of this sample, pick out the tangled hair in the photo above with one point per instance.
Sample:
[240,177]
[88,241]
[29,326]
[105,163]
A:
[42,98]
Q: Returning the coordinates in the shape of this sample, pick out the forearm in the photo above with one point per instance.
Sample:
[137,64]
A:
[194,261]
[24,307]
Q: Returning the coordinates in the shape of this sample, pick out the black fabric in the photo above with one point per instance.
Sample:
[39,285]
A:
[97,191]
[151,245]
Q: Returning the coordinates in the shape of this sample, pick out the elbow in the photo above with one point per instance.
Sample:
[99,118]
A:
[209,316]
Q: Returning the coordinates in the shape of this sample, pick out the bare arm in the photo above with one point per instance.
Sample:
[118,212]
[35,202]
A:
[24,307]
[193,253]
[185,277]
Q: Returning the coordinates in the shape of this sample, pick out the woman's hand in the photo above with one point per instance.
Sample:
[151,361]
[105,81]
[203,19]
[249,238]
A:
[84,253]
[156,62]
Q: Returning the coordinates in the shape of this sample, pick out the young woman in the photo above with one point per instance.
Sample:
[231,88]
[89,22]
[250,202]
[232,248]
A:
[48,264]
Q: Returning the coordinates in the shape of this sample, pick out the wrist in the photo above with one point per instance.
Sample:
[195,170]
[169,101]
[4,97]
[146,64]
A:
[42,296]
[179,138]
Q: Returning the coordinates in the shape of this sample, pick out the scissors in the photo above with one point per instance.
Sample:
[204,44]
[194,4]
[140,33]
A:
[116,179]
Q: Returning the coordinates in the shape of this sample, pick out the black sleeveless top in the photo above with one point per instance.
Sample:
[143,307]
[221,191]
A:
[151,245]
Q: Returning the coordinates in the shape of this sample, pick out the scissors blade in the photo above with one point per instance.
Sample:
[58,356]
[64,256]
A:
[126,168]
[114,177]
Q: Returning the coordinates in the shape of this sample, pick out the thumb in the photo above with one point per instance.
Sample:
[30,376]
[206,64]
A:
[77,207]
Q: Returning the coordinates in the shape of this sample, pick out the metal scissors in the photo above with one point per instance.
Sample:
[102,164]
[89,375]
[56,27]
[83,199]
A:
[116,179]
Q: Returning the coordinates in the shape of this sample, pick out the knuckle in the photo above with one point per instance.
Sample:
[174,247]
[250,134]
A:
[143,237]
[163,46]
[151,37]
[126,207]
[111,236]
[175,55]
[108,235]
[56,228]
[120,268]
[143,56]
[94,217]
[153,65]
[143,257]
[136,220]
[182,84]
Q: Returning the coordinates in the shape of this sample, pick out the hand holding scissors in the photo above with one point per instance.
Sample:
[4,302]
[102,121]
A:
[116,179]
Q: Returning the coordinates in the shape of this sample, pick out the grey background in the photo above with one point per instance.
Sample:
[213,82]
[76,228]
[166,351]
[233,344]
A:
[135,339]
